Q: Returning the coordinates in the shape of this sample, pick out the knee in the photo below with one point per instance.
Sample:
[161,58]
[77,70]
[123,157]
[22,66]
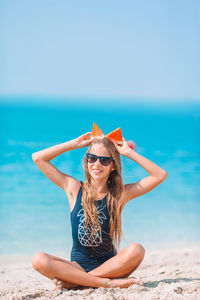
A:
[39,260]
[136,250]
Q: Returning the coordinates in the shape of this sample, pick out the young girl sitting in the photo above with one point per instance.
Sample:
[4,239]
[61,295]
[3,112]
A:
[96,206]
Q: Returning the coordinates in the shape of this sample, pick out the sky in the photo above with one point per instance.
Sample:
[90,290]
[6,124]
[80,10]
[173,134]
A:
[100,49]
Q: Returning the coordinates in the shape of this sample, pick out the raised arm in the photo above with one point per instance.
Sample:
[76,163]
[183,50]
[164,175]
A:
[156,174]
[42,160]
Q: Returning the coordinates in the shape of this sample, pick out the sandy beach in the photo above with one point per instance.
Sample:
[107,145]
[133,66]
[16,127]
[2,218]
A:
[167,274]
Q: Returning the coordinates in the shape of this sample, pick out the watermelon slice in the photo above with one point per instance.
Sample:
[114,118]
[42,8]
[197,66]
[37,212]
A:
[116,135]
[96,131]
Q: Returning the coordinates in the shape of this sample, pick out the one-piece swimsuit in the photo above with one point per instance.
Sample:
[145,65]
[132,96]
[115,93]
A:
[92,248]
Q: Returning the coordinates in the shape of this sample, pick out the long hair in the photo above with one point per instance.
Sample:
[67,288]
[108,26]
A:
[115,196]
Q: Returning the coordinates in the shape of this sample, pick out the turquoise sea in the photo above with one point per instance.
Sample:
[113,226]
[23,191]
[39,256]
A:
[34,212]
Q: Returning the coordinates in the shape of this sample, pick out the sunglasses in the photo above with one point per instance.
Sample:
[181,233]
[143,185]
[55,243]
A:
[104,160]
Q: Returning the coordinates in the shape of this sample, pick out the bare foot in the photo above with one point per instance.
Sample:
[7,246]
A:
[63,284]
[121,282]
[58,283]
[137,281]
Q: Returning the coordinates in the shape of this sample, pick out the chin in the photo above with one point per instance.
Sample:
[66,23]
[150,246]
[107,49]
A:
[97,176]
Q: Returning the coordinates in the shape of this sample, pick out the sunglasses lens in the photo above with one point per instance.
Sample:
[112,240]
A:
[91,158]
[105,161]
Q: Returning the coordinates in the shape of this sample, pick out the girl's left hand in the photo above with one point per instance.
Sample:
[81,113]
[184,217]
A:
[124,148]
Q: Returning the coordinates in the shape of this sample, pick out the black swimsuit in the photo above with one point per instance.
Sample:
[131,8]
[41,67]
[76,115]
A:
[93,250]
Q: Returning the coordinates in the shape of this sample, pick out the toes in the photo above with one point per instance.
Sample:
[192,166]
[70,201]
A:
[141,283]
[55,280]
[59,286]
[58,283]
[137,281]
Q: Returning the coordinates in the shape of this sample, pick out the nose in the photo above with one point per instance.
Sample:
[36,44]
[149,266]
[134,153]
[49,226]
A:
[97,162]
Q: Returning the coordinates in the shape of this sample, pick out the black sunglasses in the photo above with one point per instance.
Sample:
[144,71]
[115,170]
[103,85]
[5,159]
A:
[104,160]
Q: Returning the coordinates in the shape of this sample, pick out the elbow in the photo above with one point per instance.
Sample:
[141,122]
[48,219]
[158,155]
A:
[34,157]
[164,176]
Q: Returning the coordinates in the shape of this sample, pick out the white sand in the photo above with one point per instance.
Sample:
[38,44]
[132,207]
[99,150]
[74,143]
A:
[167,274]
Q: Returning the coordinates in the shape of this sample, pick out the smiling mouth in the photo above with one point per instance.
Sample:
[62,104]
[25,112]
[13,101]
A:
[96,170]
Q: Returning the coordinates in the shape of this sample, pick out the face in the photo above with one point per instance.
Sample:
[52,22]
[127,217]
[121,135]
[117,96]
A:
[96,169]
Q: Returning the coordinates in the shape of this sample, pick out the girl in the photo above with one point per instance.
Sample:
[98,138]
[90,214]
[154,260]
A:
[96,206]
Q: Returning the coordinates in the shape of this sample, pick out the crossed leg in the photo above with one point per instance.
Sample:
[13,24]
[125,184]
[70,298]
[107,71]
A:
[115,270]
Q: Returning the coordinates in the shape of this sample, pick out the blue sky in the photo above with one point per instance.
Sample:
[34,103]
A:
[101,49]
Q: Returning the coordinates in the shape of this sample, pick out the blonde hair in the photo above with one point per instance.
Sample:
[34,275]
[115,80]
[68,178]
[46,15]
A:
[115,196]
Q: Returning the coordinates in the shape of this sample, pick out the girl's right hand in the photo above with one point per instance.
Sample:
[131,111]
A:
[84,140]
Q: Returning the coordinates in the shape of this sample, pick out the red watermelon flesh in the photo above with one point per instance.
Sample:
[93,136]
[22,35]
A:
[116,135]
[96,131]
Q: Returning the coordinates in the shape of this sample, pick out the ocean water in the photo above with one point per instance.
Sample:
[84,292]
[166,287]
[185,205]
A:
[34,212]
